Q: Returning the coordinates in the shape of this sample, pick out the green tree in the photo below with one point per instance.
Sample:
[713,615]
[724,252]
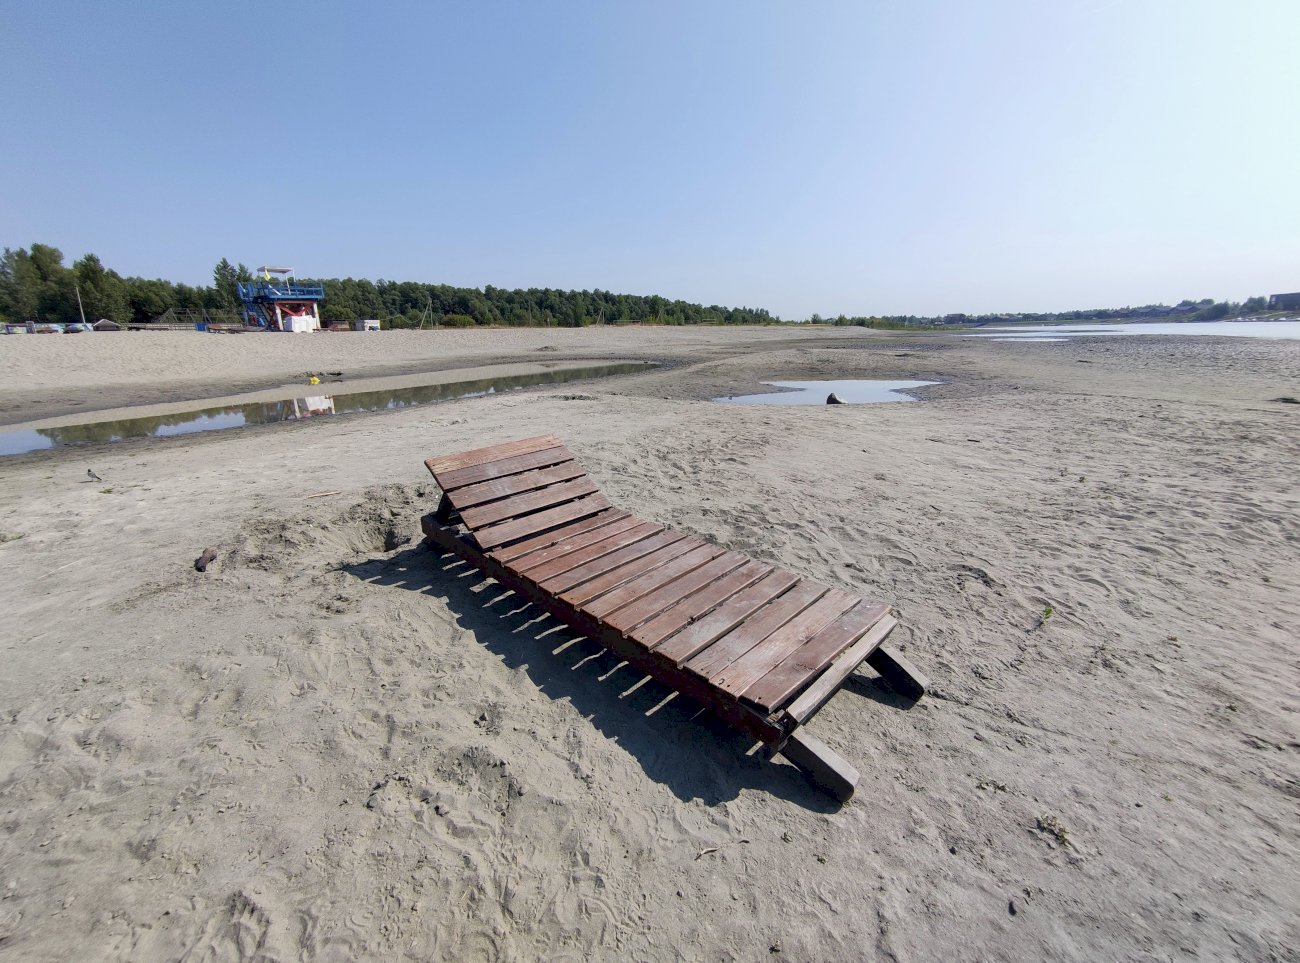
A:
[224,277]
[103,292]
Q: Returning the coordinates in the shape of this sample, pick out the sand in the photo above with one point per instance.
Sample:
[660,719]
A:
[332,746]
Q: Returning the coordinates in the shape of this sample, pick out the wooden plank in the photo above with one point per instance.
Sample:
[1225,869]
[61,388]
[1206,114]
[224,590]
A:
[567,546]
[519,549]
[528,481]
[771,651]
[823,765]
[592,588]
[811,659]
[547,568]
[462,477]
[481,456]
[599,566]
[638,588]
[815,696]
[721,620]
[681,614]
[771,731]
[755,629]
[898,672]
[539,522]
[519,505]
[676,592]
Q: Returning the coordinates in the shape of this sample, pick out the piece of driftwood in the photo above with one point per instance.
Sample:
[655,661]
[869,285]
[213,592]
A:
[763,648]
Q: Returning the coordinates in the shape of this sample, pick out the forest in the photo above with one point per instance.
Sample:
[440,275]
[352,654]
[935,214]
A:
[35,285]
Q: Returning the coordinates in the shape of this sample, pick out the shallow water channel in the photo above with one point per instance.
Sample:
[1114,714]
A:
[21,441]
[852,392]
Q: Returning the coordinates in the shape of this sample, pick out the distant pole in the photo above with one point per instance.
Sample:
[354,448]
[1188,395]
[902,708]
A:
[79,307]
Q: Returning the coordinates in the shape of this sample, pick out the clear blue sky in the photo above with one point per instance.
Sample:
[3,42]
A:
[912,156]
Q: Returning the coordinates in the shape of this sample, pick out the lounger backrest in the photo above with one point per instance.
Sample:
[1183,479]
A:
[516,490]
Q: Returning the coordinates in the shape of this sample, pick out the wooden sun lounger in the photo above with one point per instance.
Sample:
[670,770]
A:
[762,647]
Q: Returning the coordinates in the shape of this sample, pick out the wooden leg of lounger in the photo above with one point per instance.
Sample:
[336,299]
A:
[445,510]
[900,674]
[823,765]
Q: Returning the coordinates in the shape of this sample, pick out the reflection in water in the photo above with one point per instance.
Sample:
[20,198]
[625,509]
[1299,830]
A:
[296,409]
[856,392]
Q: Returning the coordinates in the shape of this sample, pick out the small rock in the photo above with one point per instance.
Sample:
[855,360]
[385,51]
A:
[203,561]
[833,399]
[775,947]
[1011,907]
[440,809]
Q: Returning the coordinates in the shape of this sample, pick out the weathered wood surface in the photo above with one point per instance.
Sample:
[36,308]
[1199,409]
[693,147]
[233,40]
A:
[543,566]
[518,506]
[490,491]
[828,682]
[539,522]
[483,456]
[704,631]
[824,766]
[763,647]
[463,477]
[676,617]
[813,654]
[554,537]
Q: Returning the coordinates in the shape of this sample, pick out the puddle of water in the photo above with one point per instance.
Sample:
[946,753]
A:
[1285,330]
[855,392]
[22,441]
[1015,340]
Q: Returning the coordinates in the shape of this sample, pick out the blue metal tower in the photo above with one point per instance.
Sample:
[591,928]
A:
[279,303]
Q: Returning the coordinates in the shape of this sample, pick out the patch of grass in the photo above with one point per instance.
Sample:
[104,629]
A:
[106,491]
[11,536]
[1053,827]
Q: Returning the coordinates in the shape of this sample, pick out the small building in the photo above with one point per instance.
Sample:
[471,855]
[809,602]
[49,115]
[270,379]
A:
[1284,302]
[369,324]
[103,324]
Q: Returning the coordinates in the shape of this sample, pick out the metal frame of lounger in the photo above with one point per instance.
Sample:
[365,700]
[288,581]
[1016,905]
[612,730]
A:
[763,648]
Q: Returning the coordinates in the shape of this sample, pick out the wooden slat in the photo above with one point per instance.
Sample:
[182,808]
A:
[638,588]
[539,522]
[755,629]
[676,617]
[812,698]
[568,546]
[805,663]
[554,537]
[599,566]
[770,731]
[690,640]
[528,481]
[613,579]
[771,651]
[676,592]
[547,568]
[519,505]
[462,477]
[481,456]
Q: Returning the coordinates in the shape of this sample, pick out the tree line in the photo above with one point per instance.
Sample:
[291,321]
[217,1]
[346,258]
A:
[35,285]
[1206,309]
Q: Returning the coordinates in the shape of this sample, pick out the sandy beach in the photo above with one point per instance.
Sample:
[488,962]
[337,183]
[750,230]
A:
[333,745]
